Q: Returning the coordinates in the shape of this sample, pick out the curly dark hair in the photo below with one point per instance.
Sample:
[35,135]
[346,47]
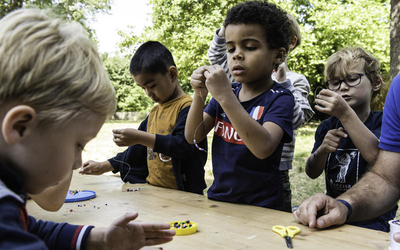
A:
[268,15]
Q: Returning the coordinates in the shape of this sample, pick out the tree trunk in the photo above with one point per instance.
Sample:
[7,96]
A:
[394,39]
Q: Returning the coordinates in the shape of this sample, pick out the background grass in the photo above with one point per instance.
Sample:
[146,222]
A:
[103,147]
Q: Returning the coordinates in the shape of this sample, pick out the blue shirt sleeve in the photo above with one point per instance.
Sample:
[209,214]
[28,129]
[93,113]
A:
[390,135]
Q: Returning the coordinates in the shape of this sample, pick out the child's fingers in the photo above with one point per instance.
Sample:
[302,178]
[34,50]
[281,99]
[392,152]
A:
[125,219]
[340,132]
[325,92]
[153,227]
[158,241]
[117,131]
[213,69]
[197,83]
[322,103]
[85,164]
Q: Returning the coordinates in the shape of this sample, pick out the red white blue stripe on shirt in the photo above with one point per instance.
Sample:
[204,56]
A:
[257,112]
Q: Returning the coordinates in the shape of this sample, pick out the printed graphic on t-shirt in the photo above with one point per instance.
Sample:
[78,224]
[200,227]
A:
[257,112]
[150,154]
[226,130]
[343,172]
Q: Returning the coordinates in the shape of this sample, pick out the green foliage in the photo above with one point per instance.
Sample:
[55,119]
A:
[130,97]
[332,25]
[78,10]
[186,27]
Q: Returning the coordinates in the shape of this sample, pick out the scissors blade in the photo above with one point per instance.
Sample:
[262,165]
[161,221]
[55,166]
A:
[289,243]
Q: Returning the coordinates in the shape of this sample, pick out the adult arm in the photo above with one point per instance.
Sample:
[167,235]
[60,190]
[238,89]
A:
[376,193]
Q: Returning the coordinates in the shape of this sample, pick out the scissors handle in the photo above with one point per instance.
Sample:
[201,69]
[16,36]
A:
[292,231]
[281,230]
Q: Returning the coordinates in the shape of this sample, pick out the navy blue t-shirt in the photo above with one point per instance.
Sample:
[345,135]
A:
[239,176]
[346,166]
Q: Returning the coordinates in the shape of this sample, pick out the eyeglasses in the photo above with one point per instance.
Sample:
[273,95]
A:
[350,80]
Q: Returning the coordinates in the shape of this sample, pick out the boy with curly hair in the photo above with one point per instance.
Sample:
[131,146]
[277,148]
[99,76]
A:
[293,81]
[252,118]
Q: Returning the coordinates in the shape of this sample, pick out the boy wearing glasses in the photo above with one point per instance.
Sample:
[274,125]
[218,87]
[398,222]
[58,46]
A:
[346,144]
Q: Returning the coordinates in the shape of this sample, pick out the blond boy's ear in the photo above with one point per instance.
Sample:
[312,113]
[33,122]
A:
[173,73]
[18,123]
[376,87]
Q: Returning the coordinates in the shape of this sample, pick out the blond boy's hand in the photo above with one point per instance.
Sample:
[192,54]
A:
[332,104]
[331,141]
[95,168]
[125,234]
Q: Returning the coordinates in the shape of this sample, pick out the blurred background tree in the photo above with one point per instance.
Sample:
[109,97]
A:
[81,11]
[187,27]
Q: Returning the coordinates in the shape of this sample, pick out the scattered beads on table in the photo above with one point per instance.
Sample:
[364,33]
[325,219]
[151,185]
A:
[131,190]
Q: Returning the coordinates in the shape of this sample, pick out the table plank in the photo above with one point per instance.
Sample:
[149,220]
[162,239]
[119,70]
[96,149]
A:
[221,225]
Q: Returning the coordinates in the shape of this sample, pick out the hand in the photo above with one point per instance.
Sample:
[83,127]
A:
[217,82]
[95,168]
[125,234]
[321,211]
[221,32]
[280,73]
[197,81]
[332,139]
[125,137]
[331,103]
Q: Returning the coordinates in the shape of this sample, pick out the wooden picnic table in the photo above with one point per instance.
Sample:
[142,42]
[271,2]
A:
[221,225]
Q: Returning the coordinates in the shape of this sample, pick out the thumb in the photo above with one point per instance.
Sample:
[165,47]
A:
[330,219]
[116,131]
[125,219]
[342,133]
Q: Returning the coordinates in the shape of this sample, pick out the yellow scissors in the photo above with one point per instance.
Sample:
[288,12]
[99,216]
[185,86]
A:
[287,232]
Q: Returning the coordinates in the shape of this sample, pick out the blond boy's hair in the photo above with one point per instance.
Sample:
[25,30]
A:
[339,63]
[294,30]
[52,66]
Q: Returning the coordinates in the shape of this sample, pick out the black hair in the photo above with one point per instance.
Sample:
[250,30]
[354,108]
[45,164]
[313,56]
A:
[151,57]
[272,18]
